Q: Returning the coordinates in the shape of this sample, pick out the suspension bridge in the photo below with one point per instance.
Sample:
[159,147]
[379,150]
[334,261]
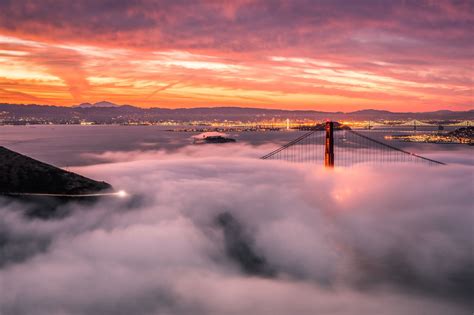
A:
[343,147]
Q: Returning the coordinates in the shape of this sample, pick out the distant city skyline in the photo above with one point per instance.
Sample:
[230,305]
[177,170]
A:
[316,55]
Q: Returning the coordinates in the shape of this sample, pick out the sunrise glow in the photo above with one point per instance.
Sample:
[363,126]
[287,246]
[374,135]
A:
[241,53]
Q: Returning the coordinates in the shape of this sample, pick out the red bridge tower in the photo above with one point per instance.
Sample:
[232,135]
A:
[329,151]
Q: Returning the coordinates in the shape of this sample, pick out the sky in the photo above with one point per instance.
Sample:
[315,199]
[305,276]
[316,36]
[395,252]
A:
[339,55]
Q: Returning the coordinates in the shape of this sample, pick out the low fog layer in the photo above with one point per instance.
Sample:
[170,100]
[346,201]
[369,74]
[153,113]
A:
[201,234]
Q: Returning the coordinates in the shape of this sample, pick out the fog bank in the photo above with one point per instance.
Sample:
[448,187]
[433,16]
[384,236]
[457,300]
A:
[295,239]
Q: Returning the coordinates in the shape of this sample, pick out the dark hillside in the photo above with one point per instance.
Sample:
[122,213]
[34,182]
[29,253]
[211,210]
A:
[21,174]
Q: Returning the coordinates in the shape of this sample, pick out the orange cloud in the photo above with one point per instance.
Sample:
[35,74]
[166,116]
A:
[415,56]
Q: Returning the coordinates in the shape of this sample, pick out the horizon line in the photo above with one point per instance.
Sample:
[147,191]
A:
[234,106]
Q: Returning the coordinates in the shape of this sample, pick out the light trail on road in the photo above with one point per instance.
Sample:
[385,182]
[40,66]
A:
[120,194]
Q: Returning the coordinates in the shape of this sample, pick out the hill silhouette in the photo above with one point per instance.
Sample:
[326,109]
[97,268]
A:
[20,174]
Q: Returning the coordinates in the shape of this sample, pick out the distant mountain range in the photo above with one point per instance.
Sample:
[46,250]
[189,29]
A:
[107,112]
[103,104]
